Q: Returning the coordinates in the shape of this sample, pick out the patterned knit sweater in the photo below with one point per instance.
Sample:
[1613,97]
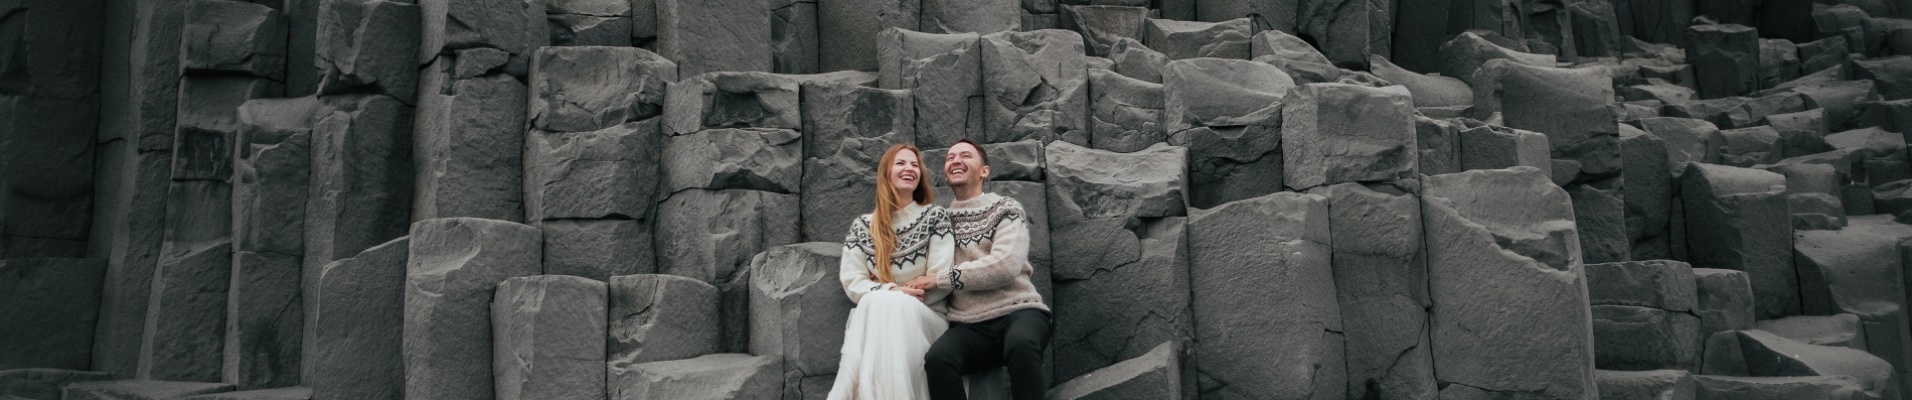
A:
[990,277]
[923,244]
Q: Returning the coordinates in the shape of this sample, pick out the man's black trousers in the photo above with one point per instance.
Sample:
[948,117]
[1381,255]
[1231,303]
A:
[1015,340]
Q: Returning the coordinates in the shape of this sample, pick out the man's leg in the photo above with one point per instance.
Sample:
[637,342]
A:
[963,349]
[1025,336]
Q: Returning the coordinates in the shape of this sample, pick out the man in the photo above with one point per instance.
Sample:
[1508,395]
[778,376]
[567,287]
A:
[996,316]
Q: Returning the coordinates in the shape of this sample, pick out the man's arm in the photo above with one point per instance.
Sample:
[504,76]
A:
[1008,254]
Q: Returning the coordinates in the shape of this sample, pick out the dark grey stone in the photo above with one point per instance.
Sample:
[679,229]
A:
[548,337]
[452,269]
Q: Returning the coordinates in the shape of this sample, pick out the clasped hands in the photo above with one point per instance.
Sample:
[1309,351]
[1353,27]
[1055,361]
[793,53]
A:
[918,288]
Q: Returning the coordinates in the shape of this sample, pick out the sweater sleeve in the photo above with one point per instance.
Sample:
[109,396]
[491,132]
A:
[1008,254]
[854,269]
[942,254]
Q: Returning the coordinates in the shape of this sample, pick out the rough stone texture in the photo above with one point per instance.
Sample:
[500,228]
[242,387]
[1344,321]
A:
[516,27]
[453,266]
[1633,338]
[1381,284]
[1228,114]
[1338,133]
[1428,90]
[710,235]
[1038,87]
[1893,75]
[46,166]
[1884,154]
[1725,300]
[714,35]
[469,141]
[1660,384]
[732,158]
[713,377]
[263,321]
[139,390]
[234,36]
[798,313]
[357,327]
[1599,212]
[980,17]
[1132,59]
[1737,218]
[54,304]
[361,182]
[1440,145]
[844,29]
[1347,30]
[1725,59]
[548,338]
[1469,51]
[186,315]
[841,118]
[355,53]
[1648,193]
[1135,279]
[1153,375]
[1837,330]
[1102,26]
[1126,113]
[657,318]
[589,30]
[944,75]
[597,248]
[43,383]
[1568,105]
[589,88]
[732,100]
[1496,147]
[1760,353]
[1495,236]
[1777,388]
[1746,147]
[567,174]
[128,236]
[288,393]
[1190,39]
[1858,270]
[794,36]
[1267,320]
[1778,62]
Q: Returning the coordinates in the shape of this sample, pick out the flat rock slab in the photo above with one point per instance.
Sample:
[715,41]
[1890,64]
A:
[1633,338]
[357,330]
[548,337]
[798,312]
[1153,375]
[1838,330]
[1336,133]
[1222,92]
[139,390]
[453,268]
[587,88]
[1267,320]
[1778,388]
[1496,236]
[944,75]
[716,376]
[1038,87]
[1662,284]
[1737,218]
[1657,384]
[1859,270]
[1760,353]
[44,383]
[55,303]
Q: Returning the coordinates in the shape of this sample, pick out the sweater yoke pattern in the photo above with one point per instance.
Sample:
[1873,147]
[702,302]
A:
[912,239]
[975,226]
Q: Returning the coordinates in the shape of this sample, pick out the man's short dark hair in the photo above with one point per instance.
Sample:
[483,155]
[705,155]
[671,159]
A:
[980,153]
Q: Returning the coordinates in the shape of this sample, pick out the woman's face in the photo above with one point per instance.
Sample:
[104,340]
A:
[905,172]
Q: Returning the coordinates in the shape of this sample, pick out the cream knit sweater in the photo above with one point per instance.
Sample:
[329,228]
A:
[923,246]
[990,277]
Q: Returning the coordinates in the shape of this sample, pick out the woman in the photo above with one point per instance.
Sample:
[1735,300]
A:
[893,324]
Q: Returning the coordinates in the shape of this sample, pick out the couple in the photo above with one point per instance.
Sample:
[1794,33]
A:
[940,292]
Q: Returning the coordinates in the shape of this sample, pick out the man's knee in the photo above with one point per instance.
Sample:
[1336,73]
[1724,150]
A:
[942,359]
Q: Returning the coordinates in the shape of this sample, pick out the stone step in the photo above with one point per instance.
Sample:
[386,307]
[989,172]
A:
[140,390]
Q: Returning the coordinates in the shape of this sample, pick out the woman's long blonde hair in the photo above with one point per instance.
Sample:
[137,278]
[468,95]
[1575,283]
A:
[882,235]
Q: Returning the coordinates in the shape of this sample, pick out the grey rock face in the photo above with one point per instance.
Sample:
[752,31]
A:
[798,312]
[186,315]
[658,318]
[716,376]
[944,75]
[1265,16]
[235,37]
[1038,87]
[264,321]
[47,166]
[1633,338]
[355,51]
[588,88]
[1349,30]
[608,173]
[756,159]
[517,27]
[1648,193]
[1428,90]
[980,17]
[1837,330]
[598,248]
[1381,287]
[1854,270]
[837,115]
[1778,62]
[1725,300]
[1496,147]
[139,390]
[710,235]
[1156,374]
[1884,153]
[43,383]
[793,35]
[589,30]
[1737,219]
[548,338]
[1293,55]
[1132,59]
[452,269]
[1228,114]
[1575,116]
[714,35]
[1473,221]
[270,181]
[1190,39]
[1774,388]
[1599,213]
[133,206]
[287,393]
[1338,133]
[1125,113]
[469,141]
[1267,320]
[733,100]
[55,306]
[1725,58]
[1760,353]
[1102,25]
[845,29]
[1658,384]
[1468,52]
[361,183]
[357,326]
[1439,142]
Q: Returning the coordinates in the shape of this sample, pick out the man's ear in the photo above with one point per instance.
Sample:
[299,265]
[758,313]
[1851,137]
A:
[985,170]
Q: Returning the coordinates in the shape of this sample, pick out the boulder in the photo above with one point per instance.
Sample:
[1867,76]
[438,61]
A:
[1893,75]
[271,172]
[1155,375]
[659,318]
[1778,61]
[1347,31]
[1840,99]
[1858,270]
[1576,117]
[733,158]
[356,55]
[1467,52]
[469,145]
[1220,92]
[608,173]
[944,75]
[713,377]
[980,17]
[1722,112]
[845,27]
[230,36]
[54,305]
[1737,218]
[590,88]
[139,390]
[842,117]
[1267,320]
[1125,113]
[186,315]
[1038,87]
[1662,284]
[798,314]
[1191,39]
[357,330]
[1294,56]
[1496,147]
[1101,26]
[451,271]
[1439,142]
[1884,154]
[1759,353]
[714,35]
[1746,147]
[1502,251]
[548,337]
[1812,193]
[1228,163]
[1659,384]
[1371,140]
[1725,58]
[516,27]
[1428,90]
[1381,285]
[1725,300]
[1827,52]
[1687,140]
[1777,388]
[1132,59]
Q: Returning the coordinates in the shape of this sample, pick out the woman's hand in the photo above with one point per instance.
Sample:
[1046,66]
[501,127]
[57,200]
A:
[924,282]
[913,292]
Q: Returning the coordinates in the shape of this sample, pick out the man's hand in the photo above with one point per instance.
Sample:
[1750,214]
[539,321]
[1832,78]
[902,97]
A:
[913,292]
[925,283]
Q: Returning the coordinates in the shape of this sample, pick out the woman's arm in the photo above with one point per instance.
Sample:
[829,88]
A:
[854,269]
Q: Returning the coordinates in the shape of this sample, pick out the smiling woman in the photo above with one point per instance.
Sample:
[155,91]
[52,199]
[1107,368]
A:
[893,324]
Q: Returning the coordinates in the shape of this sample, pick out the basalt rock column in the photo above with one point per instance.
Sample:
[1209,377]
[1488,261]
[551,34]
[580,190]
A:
[1228,114]
[655,317]
[798,314]
[1267,324]
[453,268]
[846,129]
[944,75]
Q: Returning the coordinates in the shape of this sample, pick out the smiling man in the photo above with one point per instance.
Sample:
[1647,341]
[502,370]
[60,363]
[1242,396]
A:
[996,316]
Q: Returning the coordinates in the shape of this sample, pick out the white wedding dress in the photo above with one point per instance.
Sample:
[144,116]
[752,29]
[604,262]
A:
[889,331]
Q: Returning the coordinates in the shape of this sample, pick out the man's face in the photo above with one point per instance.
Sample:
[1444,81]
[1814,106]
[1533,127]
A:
[964,166]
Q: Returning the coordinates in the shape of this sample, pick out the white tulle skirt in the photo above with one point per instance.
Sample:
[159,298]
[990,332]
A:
[883,348]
